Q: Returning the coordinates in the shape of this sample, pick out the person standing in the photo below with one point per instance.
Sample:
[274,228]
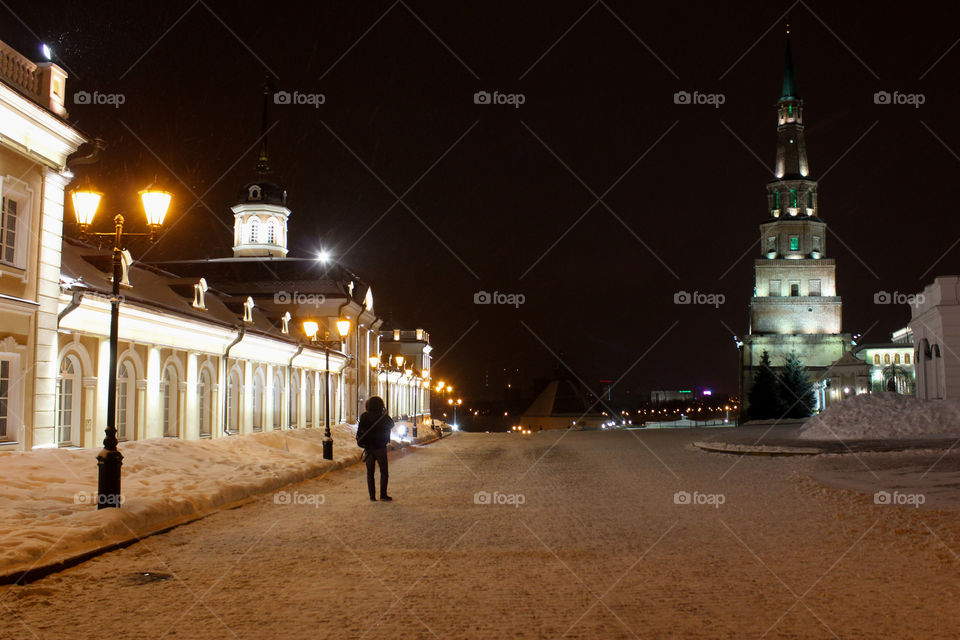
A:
[373,434]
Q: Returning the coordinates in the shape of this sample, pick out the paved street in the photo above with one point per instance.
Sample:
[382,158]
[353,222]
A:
[582,537]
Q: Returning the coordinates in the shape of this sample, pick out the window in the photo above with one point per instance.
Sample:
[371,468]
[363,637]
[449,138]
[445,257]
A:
[293,401]
[775,288]
[876,358]
[257,402]
[271,233]
[794,243]
[794,288]
[254,231]
[308,395]
[4,399]
[793,195]
[67,409]
[169,391]
[886,358]
[125,385]
[815,241]
[277,401]
[814,288]
[776,199]
[896,358]
[233,402]
[906,358]
[810,199]
[204,403]
[8,230]
[771,243]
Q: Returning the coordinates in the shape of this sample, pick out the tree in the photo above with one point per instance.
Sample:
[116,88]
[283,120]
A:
[766,402]
[796,390]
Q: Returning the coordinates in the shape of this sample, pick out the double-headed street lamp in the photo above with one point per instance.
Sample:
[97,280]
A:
[311,328]
[85,203]
[455,403]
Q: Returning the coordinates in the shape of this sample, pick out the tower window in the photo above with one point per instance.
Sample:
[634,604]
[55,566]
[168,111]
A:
[254,231]
[793,195]
[775,288]
[810,199]
[771,243]
[271,233]
[794,243]
[794,288]
[776,199]
[813,288]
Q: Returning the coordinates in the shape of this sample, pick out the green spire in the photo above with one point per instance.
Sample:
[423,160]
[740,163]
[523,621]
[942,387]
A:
[789,85]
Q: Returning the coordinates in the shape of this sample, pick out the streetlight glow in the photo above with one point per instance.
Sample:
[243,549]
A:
[343,328]
[155,205]
[310,327]
[85,203]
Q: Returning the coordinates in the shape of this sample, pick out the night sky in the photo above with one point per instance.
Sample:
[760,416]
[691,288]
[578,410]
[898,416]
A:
[489,190]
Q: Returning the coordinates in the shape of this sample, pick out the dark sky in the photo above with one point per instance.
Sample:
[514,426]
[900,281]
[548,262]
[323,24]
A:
[598,82]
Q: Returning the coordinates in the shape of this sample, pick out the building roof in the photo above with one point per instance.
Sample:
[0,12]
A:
[789,90]
[560,398]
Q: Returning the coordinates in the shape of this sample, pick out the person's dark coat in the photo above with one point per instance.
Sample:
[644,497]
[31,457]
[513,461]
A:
[373,432]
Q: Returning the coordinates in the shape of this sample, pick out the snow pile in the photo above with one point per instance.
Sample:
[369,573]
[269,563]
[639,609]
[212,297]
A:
[884,416]
[48,512]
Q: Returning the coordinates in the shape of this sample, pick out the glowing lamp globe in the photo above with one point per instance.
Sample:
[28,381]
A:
[398,360]
[155,205]
[310,328]
[343,328]
[374,362]
[85,203]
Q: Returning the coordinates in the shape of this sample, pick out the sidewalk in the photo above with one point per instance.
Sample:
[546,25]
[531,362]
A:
[783,439]
[48,514]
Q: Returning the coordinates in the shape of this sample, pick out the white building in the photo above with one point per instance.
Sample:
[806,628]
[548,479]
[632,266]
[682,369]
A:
[35,141]
[207,347]
[935,322]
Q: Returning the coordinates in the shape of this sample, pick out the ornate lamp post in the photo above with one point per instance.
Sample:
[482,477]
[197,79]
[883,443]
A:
[455,403]
[85,202]
[311,328]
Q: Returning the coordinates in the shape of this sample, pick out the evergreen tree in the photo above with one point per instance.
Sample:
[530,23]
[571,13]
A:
[765,398]
[796,390]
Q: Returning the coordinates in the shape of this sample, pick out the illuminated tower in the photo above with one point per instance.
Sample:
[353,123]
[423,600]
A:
[795,306]
[260,214]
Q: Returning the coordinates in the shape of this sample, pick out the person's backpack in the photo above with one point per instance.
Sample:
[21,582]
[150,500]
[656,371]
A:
[366,432]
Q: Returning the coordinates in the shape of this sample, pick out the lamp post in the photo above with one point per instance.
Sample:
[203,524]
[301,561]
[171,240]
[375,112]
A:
[455,403]
[85,202]
[398,360]
[311,328]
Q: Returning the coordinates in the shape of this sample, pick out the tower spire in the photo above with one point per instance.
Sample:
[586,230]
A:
[789,83]
[263,161]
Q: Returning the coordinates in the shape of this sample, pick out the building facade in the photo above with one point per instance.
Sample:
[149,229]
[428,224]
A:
[935,322]
[795,307]
[208,348]
[35,142]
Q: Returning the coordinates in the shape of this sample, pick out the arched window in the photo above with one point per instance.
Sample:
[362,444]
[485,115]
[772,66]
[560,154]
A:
[126,387]
[886,358]
[258,401]
[68,400]
[308,398]
[906,358]
[271,232]
[277,401]
[254,231]
[169,391]
[896,358]
[233,402]
[293,401]
[205,403]
[876,358]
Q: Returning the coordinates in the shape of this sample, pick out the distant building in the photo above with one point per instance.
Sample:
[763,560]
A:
[935,322]
[660,396]
[795,307]
[562,405]
[871,368]
[409,389]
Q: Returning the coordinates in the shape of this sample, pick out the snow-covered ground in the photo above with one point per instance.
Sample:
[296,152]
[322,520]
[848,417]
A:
[586,534]
[47,507]
[877,416]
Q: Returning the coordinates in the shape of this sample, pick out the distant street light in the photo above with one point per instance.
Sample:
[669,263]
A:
[311,328]
[85,202]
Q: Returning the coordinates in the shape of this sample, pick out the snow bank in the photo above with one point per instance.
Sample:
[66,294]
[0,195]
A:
[47,512]
[884,416]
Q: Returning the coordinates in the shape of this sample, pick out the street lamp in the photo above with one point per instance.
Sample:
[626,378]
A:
[455,403]
[311,328]
[85,202]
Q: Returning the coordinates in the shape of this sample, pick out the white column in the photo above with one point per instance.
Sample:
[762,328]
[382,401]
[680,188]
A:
[268,400]
[103,380]
[154,400]
[191,426]
[246,398]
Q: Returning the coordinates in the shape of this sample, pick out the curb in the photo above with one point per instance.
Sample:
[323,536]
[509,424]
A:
[22,577]
[757,449]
